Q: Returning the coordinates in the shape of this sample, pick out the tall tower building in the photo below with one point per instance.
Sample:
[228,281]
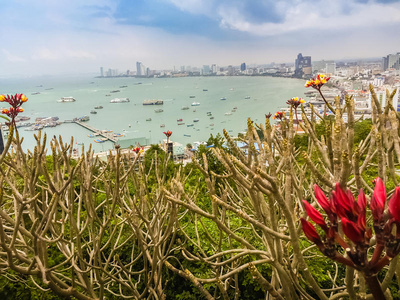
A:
[391,61]
[140,69]
[243,67]
[302,66]
[101,72]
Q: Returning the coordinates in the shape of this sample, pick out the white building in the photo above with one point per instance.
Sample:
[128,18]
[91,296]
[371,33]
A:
[381,94]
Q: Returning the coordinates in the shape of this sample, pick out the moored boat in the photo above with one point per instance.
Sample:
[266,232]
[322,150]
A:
[67,99]
[195,104]
[119,100]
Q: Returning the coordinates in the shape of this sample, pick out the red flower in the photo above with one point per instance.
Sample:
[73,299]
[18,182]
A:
[137,150]
[315,215]
[378,201]
[278,115]
[310,231]
[168,133]
[322,200]
[394,205]
[352,231]
[15,101]
[362,203]
[295,101]
[268,115]
[317,82]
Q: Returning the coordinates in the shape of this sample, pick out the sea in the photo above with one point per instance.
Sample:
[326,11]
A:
[243,97]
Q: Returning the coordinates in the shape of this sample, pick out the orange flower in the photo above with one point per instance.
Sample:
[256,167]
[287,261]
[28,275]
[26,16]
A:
[15,101]
[295,101]
[317,82]
[168,133]
[278,115]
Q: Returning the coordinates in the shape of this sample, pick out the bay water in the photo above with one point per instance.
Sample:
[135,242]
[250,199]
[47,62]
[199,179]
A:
[245,97]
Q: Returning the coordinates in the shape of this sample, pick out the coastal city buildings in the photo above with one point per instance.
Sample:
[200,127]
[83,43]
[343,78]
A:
[302,66]
[391,61]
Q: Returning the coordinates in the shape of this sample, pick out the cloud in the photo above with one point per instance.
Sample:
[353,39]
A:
[71,35]
[12,58]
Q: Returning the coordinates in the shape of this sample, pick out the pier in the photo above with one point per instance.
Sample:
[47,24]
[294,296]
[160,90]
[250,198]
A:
[107,135]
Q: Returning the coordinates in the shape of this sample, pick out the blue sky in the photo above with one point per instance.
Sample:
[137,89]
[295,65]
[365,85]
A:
[59,36]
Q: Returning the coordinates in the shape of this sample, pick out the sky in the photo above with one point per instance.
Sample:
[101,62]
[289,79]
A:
[45,37]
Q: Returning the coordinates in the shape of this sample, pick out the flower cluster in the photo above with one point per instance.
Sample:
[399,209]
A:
[352,216]
[168,133]
[295,102]
[317,82]
[278,115]
[15,101]
[138,150]
[268,115]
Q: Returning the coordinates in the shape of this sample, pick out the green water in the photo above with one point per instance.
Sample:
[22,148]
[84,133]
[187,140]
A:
[266,95]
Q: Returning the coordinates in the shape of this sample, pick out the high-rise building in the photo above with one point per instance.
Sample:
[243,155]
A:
[231,70]
[206,70]
[243,67]
[391,61]
[330,68]
[214,69]
[302,66]
[140,69]
[101,72]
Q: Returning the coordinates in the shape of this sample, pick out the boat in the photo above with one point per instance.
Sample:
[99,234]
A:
[108,95]
[119,100]
[181,123]
[187,135]
[91,135]
[189,125]
[81,119]
[211,118]
[205,90]
[67,99]
[153,102]
[148,119]
[179,120]
[93,112]
[115,91]
[195,104]
[98,107]
[192,96]
[158,110]
[35,93]
[223,98]
[123,86]
[162,125]
[195,120]
[228,113]
[247,97]
[102,140]
[117,135]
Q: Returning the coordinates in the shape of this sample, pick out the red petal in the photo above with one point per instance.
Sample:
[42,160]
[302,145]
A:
[394,204]
[322,200]
[310,231]
[380,193]
[343,199]
[352,231]
[314,214]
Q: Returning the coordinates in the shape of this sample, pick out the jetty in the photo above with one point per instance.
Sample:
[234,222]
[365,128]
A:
[107,135]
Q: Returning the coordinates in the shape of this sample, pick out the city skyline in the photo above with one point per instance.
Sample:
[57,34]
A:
[53,37]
